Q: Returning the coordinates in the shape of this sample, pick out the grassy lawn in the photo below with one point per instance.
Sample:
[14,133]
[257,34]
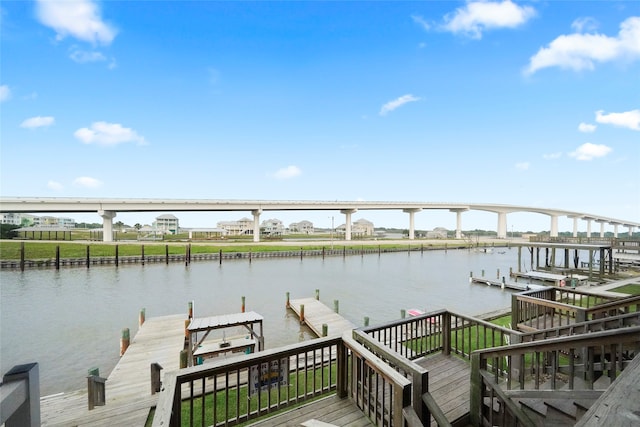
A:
[10,250]
[631,289]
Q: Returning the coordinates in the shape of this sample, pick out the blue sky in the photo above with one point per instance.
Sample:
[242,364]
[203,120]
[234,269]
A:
[527,103]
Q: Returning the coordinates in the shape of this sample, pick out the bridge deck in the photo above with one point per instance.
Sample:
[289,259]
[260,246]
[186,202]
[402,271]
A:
[128,387]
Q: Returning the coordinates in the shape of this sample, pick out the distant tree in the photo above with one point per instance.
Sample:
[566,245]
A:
[119,225]
[7,231]
[137,226]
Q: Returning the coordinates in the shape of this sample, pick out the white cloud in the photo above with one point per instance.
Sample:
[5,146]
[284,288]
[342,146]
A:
[5,93]
[87,182]
[396,103]
[628,119]
[590,151]
[552,156]
[584,24]
[82,56]
[478,16]
[587,127]
[79,18]
[581,51]
[37,122]
[421,21]
[54,185]
[523,166]
[103,133]
[288,172]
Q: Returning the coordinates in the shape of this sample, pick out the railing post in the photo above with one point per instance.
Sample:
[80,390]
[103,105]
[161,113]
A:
[446,333]
[475,397]
[515,312]
[343,374]
[27,413]
[420,382]
[96,391]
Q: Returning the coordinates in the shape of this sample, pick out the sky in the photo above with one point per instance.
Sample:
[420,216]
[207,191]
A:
[533,103]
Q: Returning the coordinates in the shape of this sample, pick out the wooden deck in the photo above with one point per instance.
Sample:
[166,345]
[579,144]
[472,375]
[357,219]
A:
[316,314]
[128,387]
[449,384]
[328,411]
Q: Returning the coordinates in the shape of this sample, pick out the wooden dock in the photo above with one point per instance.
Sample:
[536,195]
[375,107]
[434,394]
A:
[499,284]
[316,314]
[128,387]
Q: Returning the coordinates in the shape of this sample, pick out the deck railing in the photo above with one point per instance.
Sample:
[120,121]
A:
[572,363]
[20,396]
[553,307]
[238,389]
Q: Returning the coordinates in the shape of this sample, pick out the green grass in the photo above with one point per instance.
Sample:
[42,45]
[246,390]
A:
[10,250]
[226,402]
[631,289]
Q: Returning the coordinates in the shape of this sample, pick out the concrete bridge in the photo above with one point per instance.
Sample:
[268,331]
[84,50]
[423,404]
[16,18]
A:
[108,209]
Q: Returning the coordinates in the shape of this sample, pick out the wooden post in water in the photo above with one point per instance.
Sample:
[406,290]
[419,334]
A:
[186,255]
[249,255]
[403,313]
[189,253]
[57,257]
[124,341]
[498,275]
[317,294]
[116,255]
[325,329]
[88,257]
[422,248]
[482,272]
[220,256]
[300,253]
[336,306]
[190,312]
[184,356]
[21,256]
[366,321]
[288,304]
[301,313]
[242,308]
[323,252]
[142,253]
[141,317]
[166,254]
[379,250]
[445,248]
[344,252]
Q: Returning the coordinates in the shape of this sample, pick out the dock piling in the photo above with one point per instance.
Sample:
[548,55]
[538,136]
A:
[141,317]
[366,321]
[242,308]
[325,329]
[288,304]
[301,313]
[403,313]
[318,294]
[336,306]
[124,341]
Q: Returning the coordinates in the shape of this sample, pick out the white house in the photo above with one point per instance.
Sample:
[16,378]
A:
[272,227]
[303,227]
[237,228]
[167,224]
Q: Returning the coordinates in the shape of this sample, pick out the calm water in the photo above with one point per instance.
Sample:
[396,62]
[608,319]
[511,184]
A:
[71,320]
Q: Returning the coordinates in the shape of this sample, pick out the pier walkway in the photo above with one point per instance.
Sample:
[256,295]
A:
[316,314]
[128,387]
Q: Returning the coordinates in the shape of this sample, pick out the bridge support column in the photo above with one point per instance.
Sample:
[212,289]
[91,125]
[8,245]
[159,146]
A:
[615,231]
[458,221]
[631,230]
[588,228]
[575,226]
[554,226]
[601,228]
[411,213]
[107,225]
[502,225]
[347,230]
[256,224]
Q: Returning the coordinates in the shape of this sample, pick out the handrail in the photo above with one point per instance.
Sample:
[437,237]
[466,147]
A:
[624,302]
[20,396]
[435,410]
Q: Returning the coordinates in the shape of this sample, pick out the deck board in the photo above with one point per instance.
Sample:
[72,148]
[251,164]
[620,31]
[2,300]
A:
[331,410]
[449,384]
[316,314]
[128,387]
